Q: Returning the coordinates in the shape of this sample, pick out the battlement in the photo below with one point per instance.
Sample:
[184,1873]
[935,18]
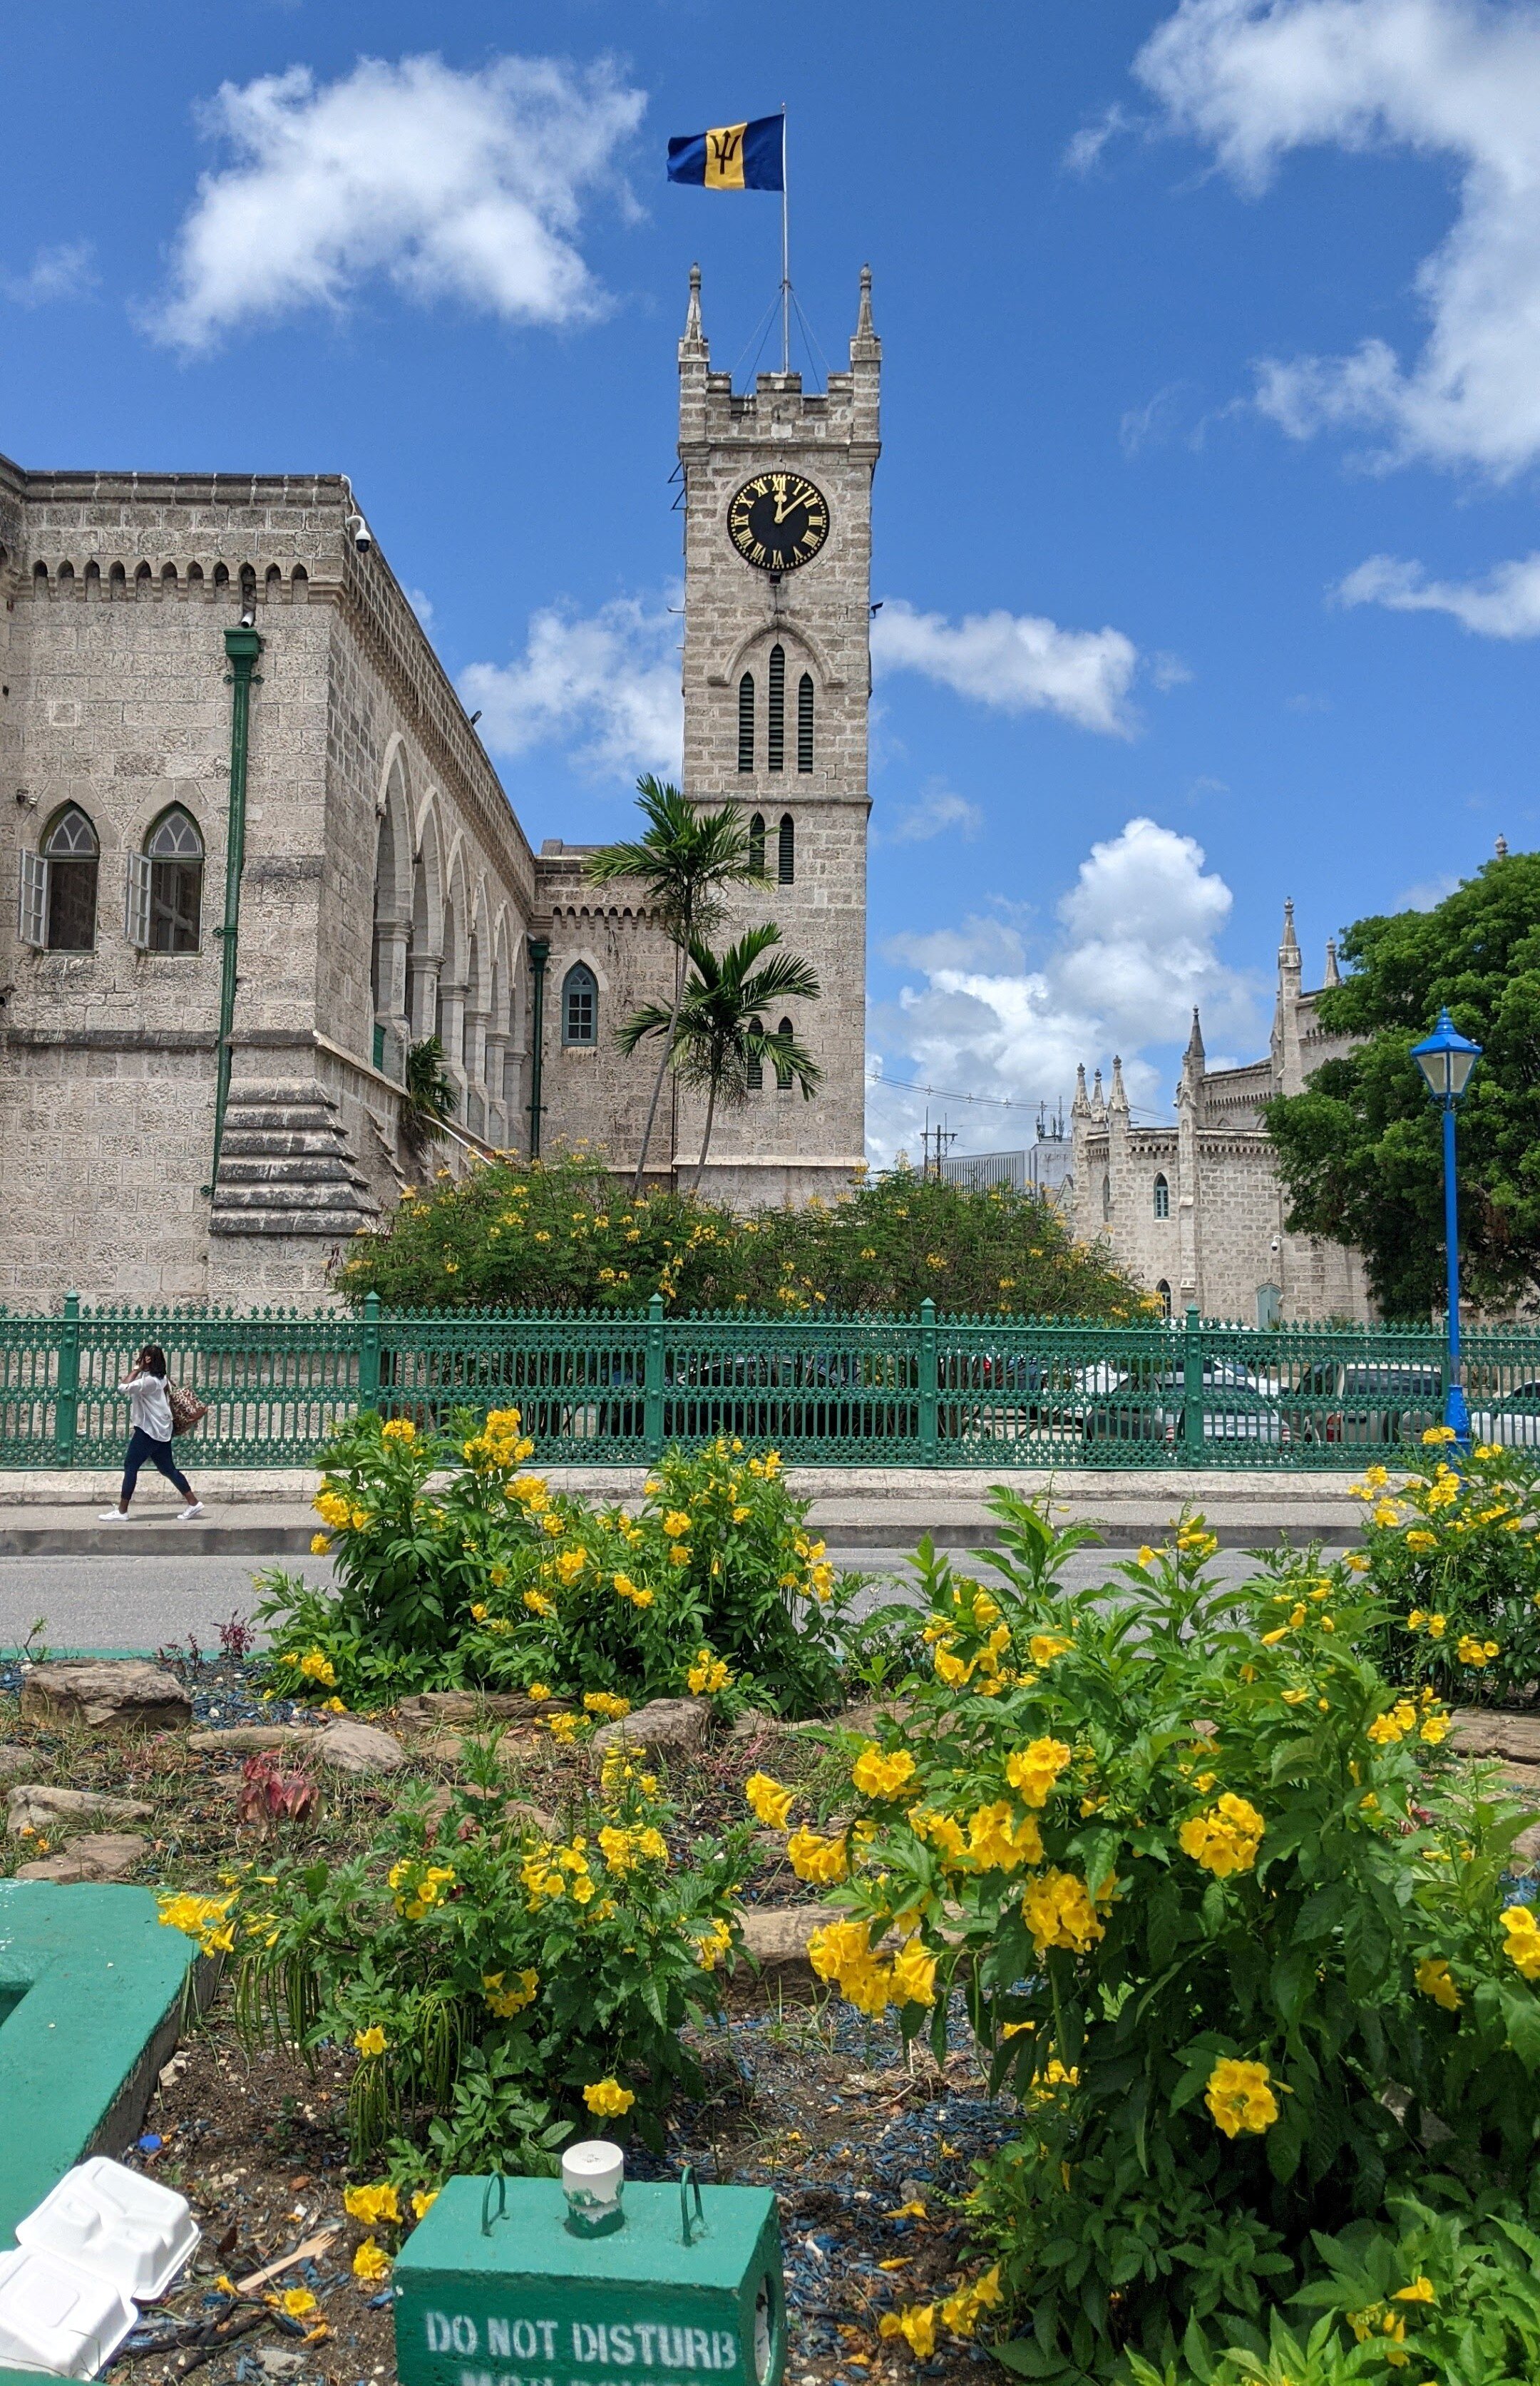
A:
[778,411]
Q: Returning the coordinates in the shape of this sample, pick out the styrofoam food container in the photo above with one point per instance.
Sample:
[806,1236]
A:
[58,2317]
[126,2229]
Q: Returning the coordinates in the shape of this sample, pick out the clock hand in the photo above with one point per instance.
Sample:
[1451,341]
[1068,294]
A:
[784,505]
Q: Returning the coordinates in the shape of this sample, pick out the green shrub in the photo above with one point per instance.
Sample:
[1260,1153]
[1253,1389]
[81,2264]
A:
[563,1236]
[1227,1919]
[455,1566]
[1452,1550]
[500,1989]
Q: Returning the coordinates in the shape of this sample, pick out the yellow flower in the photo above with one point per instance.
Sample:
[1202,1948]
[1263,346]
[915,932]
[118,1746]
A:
[608,2100]
[537,1604]
[914,1975]
[607,1703]
[1387,1728]
[1226,1839]
[372,2041]
[538,1691]
[570,1565]
[916,2323]
[1034,1770]
[813,1858]
[676,1524]
[1240,2097]
[1437,1626]
[319,1544]
[505,1999]
[1434,1729]
[1471,1651]
[369,2262]
[1059,1913]
[423,2203]
[1357,1561]
[317,1666]
[1419,2291]
[1524,1940]
[876,1776]
[1433,1978]
[561,1726]
[296,2303]
[1436,1433]
[398,1429]
[961,2312]
[1387,1512]
[707,1674]
[768,1801]
[372,2205]
[994,1844]
[1421,1540]
[1045,1646]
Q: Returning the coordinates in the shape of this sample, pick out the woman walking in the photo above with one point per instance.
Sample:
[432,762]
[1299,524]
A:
[150,1413]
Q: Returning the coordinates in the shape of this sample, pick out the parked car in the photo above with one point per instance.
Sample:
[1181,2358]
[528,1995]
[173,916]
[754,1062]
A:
[1367,1401]
[1236,1405]
[1513,1422]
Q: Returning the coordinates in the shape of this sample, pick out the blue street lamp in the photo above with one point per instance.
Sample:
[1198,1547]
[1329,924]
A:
[1446,1059]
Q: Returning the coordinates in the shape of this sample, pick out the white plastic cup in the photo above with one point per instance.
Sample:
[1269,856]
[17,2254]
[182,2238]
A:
[592,2176]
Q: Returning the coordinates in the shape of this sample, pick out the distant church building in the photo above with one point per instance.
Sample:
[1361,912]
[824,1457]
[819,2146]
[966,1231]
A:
[256,851]
[1196,1210]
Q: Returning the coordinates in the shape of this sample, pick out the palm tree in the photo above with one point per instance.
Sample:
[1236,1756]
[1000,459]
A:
[713,1034]
[684,858]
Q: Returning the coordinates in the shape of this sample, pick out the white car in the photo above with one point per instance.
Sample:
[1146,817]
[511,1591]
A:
[1513,1422]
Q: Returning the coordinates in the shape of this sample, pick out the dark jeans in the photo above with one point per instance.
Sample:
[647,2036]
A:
[143,1445]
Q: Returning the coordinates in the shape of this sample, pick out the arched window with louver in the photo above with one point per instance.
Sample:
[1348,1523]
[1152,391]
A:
[753,1068]
[786,856]
[757,845]
[745,721]
[783,1074]
[805,721]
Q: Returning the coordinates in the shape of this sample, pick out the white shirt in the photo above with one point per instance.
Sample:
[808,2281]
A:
[149,1409]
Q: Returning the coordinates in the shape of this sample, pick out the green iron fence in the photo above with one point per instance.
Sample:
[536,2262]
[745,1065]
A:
[860,1391]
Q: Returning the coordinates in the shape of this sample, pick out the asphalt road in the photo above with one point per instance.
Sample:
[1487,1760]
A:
[150,1603]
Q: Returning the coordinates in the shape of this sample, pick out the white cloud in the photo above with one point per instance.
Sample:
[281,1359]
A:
[1085,147]
[421,604]
[1135,951]
[65,271]
[1017,662]
[605,684]
[451,185]
[1505,604]
[932,814]
[1447,79]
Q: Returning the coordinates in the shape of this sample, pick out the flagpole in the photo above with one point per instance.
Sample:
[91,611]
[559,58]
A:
[785,259]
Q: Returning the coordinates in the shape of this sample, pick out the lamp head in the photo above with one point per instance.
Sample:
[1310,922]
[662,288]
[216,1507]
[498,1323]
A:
[1446,1059]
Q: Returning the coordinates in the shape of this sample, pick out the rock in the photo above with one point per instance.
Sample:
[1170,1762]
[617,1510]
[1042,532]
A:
[1474,1731]
[32,1806]
[348,1746]
[1524,1782]
[279,2360]
[777,1936]
[520,1810]
[449,1747]
[14,1760]
[1526,1847]
[248,1738]
[663,1727]
[101,1855]
[107,1694]
[432,1709]
[753,1725]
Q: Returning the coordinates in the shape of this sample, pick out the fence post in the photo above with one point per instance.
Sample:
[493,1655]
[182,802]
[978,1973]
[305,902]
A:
[652,1389]
[1192,1390]
[66,1388]
[369,1354]
[928,1440]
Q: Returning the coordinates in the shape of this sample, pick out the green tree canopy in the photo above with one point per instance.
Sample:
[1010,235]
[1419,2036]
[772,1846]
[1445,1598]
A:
[1359,1148]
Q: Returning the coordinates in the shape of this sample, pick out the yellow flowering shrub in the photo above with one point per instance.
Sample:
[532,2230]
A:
[1223,1915]
[1455,1554]
[456,1563]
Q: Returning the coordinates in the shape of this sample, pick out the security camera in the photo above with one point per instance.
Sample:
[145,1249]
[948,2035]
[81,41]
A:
[363,537]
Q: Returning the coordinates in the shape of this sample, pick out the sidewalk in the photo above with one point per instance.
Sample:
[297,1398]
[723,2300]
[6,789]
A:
[259,1513]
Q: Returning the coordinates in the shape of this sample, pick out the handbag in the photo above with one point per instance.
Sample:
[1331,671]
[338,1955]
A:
[187,1410]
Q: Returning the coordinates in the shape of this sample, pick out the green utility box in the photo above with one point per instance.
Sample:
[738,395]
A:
[500,2286]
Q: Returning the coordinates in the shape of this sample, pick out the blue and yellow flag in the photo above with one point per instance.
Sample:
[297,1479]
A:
[732,158]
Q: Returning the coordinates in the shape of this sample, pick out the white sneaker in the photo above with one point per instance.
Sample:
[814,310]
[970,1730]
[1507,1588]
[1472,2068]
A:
[188,1514]
[112,1516]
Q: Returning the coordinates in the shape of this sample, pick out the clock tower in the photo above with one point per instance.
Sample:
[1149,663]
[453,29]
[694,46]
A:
[777,685]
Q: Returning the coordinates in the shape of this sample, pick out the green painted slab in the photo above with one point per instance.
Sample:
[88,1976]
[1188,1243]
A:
[91,1990]
[494,2288]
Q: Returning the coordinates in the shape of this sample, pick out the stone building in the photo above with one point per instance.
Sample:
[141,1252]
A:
[1196,1209]
[258,851]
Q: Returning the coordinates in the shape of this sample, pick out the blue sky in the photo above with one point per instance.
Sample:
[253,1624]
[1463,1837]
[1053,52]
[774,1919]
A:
[1204,526]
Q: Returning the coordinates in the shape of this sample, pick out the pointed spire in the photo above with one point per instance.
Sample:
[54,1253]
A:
[1501,848]
[865,328]
[1291,942]
[1118,1099]
[1195,1055]
[1080,1107]
[1333,976]
[692,331]
[1098,1101]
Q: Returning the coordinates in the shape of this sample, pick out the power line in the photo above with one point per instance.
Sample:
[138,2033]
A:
[990,1101]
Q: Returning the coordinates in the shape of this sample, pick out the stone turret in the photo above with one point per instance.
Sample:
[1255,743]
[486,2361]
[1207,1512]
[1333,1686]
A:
[1333,976]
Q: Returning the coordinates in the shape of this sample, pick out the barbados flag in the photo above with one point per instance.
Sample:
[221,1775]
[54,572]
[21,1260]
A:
[732,158]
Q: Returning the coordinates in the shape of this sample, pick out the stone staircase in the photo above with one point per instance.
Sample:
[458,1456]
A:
[285,1167]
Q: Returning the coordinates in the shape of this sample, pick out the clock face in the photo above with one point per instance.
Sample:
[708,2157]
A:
[778,521]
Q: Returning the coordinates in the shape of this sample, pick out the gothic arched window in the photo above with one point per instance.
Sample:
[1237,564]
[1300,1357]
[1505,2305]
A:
[580,1004]
[757,845]
[1162,1198]
[1163,1293]
[745,721]
[786,858]
[782,1073]
[805,722]
[753,1071]
[171,905]
[775,734]
[64,901]
[1106,1196]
